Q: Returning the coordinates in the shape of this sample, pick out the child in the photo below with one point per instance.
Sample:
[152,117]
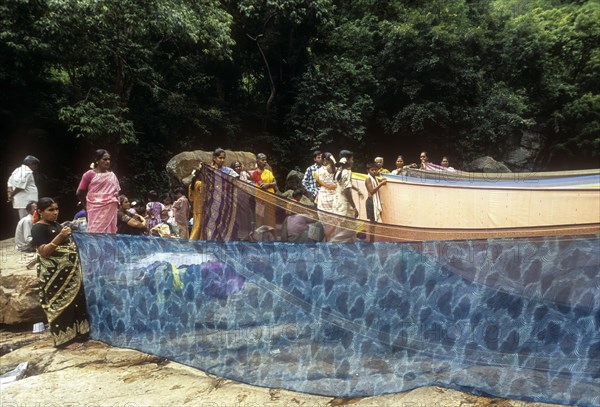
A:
[164,229]
[153,209]
[181,210]
[167,201]
[372,183]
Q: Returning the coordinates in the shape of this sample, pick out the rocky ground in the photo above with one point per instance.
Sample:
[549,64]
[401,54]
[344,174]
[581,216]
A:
[99,375]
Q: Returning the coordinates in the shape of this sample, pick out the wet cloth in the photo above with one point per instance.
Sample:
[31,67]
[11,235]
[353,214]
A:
[511,318]
[102,200]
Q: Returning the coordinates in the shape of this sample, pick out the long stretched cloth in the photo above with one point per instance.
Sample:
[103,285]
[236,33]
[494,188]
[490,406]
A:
[487,205]
[514,318]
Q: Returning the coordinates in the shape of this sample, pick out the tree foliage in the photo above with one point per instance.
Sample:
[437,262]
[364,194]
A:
[456,77]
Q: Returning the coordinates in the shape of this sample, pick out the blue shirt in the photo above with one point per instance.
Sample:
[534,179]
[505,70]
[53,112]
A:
[309,181]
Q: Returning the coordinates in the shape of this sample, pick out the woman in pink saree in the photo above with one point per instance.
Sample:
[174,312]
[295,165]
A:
[99,189]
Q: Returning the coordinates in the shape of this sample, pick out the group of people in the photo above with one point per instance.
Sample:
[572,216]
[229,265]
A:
[328,181]
[425,164]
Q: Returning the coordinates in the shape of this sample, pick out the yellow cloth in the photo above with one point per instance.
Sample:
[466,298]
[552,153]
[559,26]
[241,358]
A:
[266,176]
[195,194]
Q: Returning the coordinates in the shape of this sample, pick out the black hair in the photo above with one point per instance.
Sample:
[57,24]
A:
[343,154]
[218,152]
[297,193]
[29,205]
[30,160]
[196,175]
[152,196]
[98,154]
[44,203]
[371,165]
[180,190]
[122,198]
[316,153]
[328,159]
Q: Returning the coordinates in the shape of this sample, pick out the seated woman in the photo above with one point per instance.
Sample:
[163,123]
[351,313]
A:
[128,224]
[59,275]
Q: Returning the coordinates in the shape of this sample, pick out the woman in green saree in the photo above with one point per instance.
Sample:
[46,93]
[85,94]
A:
[59,275]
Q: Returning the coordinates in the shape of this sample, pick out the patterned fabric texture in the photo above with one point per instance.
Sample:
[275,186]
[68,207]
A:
[516,318]
[62,295]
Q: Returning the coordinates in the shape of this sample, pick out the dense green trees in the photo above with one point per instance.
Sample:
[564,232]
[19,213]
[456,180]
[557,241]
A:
[149,79]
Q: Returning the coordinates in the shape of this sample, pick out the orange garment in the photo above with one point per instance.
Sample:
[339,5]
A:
[195,195]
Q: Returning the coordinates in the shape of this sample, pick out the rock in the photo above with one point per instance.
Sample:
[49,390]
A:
[19,289]
[518,158]
[293,180]
[524,156]
[487,164]
[98,374]
[180,167]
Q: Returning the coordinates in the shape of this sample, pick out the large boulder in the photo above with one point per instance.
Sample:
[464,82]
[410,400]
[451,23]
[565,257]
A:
[487,164]
[97,374]
[293,180]
[180,167]
[525,154]
[19,289]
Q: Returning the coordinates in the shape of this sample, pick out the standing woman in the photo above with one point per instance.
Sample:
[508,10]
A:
[265,180]
[195,197]
[327,187]
[99,188]
[218,163]
[263,177]
[344,203]
[59,276]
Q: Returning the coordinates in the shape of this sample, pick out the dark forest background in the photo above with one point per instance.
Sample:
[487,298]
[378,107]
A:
[149,79]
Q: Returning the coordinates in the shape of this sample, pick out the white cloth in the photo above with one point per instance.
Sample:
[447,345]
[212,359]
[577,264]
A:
[376,200]
[23,234]
[22,178]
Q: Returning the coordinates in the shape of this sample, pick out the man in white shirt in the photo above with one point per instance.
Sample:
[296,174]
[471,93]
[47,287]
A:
[21,188]
[23,232]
